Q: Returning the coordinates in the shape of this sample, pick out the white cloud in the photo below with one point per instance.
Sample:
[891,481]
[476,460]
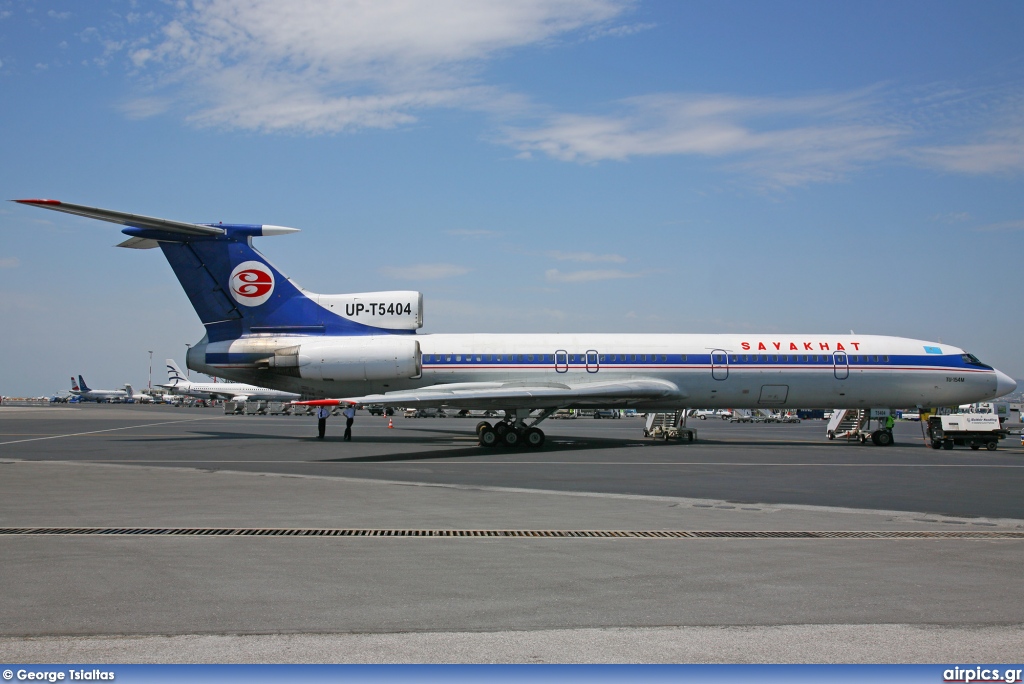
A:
[315,66]
[9,262]
[952,217]
[619,31]
[424,271]
[145,107]
[788,140]
[1002,226]
[587,257]
[555,276]
[1000,152]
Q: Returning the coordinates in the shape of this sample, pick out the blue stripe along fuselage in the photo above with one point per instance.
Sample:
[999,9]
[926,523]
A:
[435,360]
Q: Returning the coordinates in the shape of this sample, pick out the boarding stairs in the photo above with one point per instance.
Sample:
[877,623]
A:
[846,423]
[669,426]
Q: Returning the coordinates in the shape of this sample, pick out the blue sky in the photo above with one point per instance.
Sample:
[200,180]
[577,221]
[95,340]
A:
[536,166]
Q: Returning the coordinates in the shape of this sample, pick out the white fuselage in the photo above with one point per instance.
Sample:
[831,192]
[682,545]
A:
[231,390]
[710,371]
[100,395]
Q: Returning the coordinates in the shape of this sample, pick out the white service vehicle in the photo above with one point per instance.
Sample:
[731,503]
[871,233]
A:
[965,429]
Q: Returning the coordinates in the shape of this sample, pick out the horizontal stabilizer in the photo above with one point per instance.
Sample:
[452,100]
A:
[134,220]
[139,243]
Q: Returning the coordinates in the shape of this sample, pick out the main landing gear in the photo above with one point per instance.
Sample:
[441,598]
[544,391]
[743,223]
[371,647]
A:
[514,431]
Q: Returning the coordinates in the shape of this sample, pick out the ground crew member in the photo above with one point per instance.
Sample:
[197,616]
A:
[321,418]
[350,415]
[889,422]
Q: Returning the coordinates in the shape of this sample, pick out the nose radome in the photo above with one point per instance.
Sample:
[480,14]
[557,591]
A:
[1004,384]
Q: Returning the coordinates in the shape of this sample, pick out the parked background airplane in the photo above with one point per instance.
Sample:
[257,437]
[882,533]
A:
[363,348]
[178,383]
[99,395]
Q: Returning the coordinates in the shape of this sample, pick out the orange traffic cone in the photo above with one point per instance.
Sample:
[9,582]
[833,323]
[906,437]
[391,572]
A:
[391,425]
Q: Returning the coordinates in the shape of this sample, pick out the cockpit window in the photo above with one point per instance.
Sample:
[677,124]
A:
[973,360]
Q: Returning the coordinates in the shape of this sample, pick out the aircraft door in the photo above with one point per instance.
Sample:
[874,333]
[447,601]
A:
[719,364]
[842,365]
[561,361]
[592,365]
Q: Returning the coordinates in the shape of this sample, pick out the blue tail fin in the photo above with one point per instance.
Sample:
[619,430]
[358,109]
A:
[237,292]
[81,384]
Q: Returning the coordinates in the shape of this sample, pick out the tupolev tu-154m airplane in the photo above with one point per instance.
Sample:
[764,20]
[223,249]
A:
[262,328]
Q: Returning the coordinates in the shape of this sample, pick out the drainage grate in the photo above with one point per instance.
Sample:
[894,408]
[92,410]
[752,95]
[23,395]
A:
[547,534]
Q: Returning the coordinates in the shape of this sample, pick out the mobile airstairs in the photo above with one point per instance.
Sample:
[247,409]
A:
[669,426]
[855,424]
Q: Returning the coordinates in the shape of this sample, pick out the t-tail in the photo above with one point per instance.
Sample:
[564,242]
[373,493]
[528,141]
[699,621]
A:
[238,293]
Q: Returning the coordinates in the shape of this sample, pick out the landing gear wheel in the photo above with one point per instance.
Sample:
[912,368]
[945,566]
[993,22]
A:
[510,438]
[481,425]
[991,446]
[501,428]
[488,437]
[534,438]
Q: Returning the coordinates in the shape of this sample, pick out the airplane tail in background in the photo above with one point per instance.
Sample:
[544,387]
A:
[82,385]
[74,385]
[174,375]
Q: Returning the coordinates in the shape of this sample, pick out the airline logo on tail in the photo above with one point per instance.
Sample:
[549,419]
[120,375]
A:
[174,375]
[252,283]
[74,385]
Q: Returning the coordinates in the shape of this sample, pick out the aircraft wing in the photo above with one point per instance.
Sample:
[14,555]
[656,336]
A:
[497,395]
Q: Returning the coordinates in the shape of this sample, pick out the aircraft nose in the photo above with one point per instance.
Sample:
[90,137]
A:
[1004,384]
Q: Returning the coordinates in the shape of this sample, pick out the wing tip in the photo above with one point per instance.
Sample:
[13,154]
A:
[49,202]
